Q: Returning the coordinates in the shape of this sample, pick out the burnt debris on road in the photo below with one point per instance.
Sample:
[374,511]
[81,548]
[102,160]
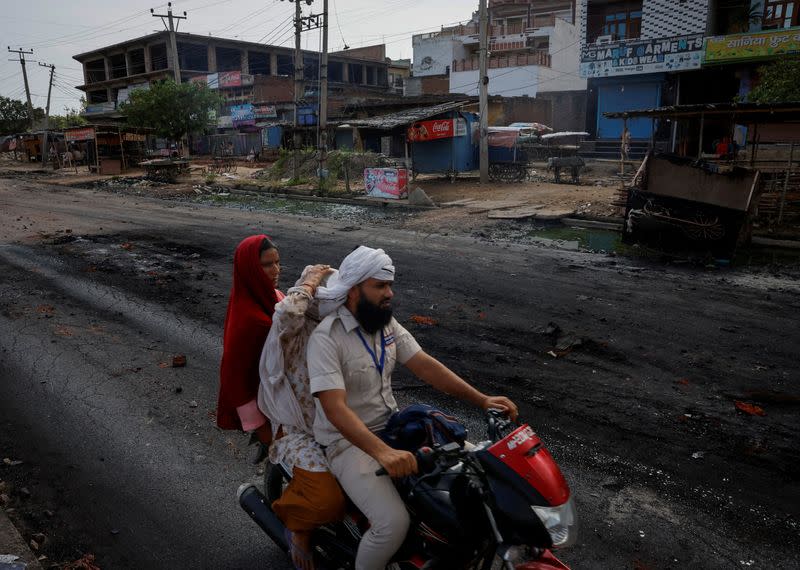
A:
[667,392]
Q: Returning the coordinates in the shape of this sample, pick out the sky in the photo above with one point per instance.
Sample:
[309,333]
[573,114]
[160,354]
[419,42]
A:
[56,30]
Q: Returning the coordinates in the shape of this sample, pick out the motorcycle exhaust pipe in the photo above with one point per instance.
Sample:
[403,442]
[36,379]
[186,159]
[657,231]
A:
[255,504]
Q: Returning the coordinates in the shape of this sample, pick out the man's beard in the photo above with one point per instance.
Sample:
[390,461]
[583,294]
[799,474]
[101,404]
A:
[372,317]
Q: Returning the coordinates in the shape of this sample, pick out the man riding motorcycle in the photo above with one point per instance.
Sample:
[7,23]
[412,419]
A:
[351,357]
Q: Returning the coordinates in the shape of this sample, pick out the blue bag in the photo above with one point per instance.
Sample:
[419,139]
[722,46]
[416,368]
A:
[421,425]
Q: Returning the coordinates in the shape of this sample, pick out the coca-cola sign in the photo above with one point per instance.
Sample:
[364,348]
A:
[430,130]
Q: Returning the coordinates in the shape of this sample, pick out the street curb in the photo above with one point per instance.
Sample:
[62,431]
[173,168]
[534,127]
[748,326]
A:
[13,545]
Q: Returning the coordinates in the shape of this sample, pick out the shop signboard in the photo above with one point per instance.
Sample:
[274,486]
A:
[83,134]
[230,79]
[243,115]
[266,112]
[391,183]
[630,57]
[225,122]
[438,129]
[212,79]
[739,47]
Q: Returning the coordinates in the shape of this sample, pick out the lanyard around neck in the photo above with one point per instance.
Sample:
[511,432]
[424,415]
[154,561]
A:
[378,365]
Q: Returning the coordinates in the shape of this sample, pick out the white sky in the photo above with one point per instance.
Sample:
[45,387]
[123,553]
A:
[59,29]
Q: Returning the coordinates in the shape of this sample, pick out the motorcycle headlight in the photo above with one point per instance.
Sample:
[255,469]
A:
[560,522]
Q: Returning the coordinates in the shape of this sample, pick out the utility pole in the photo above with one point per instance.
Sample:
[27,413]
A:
[45,151]
[298,89]
[172,28]
[483,94]
[323,95]
[21,53]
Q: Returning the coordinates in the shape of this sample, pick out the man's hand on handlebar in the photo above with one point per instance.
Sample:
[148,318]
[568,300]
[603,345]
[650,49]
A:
[501,403]
[397,463]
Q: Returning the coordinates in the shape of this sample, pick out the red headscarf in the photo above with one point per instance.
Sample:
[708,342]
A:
[247,323]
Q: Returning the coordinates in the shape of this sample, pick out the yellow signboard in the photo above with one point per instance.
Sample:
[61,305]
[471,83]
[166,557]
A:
[736,47]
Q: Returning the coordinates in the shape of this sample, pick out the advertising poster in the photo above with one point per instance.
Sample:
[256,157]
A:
[391,183]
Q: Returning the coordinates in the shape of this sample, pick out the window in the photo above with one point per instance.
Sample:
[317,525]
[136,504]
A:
[619,20]
[621,25]
[780,14]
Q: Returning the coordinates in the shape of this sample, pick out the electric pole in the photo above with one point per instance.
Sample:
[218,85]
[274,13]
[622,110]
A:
[323,95]
[45,151]
[21,53]
[172,28]
[483,94]
[298,89]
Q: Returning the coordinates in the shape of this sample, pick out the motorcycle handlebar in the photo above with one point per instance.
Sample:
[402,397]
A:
[426,458]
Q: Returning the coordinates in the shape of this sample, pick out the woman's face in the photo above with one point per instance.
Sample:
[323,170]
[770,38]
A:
[271,264]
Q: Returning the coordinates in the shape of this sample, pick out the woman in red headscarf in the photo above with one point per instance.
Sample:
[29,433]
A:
[256,269]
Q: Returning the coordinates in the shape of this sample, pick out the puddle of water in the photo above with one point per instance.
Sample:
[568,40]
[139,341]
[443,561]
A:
[580,238]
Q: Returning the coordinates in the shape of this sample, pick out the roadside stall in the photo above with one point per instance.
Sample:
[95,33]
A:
[107,149]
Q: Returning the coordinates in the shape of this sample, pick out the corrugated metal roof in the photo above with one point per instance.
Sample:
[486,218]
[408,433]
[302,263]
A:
[782,110]
[406,117]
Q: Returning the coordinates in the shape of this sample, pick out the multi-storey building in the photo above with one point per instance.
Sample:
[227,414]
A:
[533,51]
[245,73]
[640,54]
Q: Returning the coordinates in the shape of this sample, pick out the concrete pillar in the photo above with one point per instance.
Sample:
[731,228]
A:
[345,72]
[363,74]
[148,63]
[127,64]
[212,58]
[245,61]
[108,95]
[107,64]
[273,64]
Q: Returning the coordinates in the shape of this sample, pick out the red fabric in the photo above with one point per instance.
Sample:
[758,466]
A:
[247,323]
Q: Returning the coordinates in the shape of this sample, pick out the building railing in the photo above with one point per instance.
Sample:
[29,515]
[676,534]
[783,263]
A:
[541,58]
[473,29]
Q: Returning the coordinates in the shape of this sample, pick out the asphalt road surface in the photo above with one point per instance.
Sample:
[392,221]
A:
[630,371]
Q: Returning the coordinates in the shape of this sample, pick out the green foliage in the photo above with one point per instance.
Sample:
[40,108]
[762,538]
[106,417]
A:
[780,82]
[72,118]
[172,110]
[14,116]
[211,178]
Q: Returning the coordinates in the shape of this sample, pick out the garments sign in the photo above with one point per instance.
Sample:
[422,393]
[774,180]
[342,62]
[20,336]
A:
[737,47]
[642,56]
[243,115]
[389,183]
[85,134]
[439,129]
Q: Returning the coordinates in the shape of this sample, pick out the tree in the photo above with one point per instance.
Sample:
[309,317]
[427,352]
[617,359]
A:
[779,82]
[72,118]
[14,116]
[172,110]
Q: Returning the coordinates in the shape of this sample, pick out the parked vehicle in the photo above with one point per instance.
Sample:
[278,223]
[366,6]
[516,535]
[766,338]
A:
[503,502]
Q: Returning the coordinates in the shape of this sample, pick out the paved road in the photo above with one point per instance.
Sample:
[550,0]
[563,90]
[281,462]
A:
[638,407]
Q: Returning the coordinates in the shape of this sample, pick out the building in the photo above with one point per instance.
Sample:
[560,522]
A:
[632,53]
[256,80]
[533,51]
[643,54]
[742,38]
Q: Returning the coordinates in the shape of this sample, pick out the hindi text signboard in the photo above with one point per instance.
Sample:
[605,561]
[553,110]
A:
[84,134]
[738,47]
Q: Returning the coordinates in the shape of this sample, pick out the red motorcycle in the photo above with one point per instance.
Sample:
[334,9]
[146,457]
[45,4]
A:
[502,502]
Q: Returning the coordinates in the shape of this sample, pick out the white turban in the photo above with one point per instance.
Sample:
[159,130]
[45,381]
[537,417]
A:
[356,268]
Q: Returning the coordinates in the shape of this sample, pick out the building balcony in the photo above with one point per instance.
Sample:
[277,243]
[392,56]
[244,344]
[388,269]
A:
[540,57]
